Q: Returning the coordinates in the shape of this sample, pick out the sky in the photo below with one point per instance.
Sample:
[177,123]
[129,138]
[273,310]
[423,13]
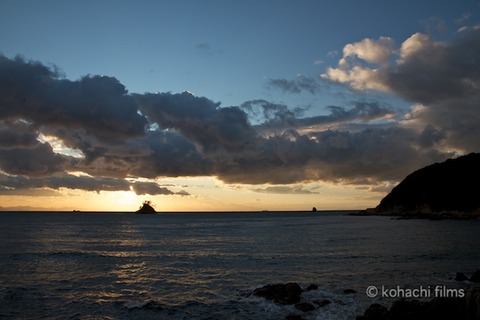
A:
[231,105]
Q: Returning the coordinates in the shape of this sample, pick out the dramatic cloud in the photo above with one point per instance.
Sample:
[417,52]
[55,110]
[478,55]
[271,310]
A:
[92,106]
[21,185]
[15,133]
[425,71]
[63,181]
[198,119]
[37,161]
[377,153]
[51,127]
[441,78]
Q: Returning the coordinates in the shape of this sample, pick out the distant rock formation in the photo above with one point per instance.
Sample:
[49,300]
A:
[447,188]
[146,208]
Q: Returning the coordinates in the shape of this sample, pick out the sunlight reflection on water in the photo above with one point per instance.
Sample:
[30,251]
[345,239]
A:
[112,265]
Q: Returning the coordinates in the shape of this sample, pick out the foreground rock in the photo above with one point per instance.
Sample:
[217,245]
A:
[442,190]
[460,276]
[461,308]
[288,293]
[305,306]
[475,277]
[438,309]
[291,294]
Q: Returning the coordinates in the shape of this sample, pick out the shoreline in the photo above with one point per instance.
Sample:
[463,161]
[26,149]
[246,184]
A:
[400,215]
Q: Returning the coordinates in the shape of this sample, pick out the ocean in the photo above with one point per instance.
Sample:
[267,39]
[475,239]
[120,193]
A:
[206,265]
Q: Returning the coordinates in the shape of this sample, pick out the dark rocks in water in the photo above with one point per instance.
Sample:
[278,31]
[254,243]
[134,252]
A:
[475,277]
[438,309]
[314,209]
[322,302]
[440,188]
[305,306]
[311,287]
[473,303]
[288,293]
[460,276]
[374,312]
[403,309]
[349,291]
[146,208]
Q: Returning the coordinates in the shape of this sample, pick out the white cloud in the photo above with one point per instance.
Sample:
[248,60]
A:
[371,51]
[358,77]
[352,69]
[415,44]
[440,78]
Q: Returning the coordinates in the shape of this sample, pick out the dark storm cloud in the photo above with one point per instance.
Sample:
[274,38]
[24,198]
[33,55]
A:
[152,188]
[170,154]
[64,181]
[39,160]
[199,119]
[95,105]
[22,185]
[454,124]
[377,153]
[94,115]
[430,135]
[29,192]
[90,115]
[361,111]
[121,135]
[16,133]
[301,83]
[21,153]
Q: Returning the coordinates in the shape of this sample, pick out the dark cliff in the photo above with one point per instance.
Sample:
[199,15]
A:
[447,187]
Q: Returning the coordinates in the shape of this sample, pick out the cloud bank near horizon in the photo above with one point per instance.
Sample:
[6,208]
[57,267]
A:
[51,127]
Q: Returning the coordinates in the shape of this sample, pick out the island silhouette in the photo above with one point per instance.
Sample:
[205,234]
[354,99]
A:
[146,208]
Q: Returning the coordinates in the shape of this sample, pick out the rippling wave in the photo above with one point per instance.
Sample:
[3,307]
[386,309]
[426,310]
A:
[205,266]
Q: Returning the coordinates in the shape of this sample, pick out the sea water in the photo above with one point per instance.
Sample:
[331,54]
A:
[206,265]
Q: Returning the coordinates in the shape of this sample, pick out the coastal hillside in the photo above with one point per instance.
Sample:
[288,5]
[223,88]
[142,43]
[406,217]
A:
[449,187]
